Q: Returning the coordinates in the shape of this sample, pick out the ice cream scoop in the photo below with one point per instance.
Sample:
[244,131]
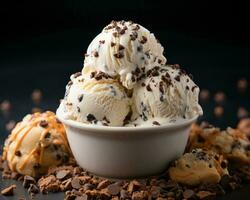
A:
[123,49]
[98,99]
[35,144]
[167,94]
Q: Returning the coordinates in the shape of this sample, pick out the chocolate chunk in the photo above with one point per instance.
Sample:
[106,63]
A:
[156,123]
[143,84]
[112,44]
[43,123]
[139,48]
[177,78]
[96,54]
[75,183]
[193,88]
[77,74]
[187,88]
[82,197]
[33,189]
[90,117]
[103,184]
[62,174]
[144,40]
[119,55]
[113,189]
[133,36]
[121,47]
[18,153]
[224,164]
[9,191]
[102,41]
[78,109]
[149,88]
[80,97]
[28,180]
[92,75]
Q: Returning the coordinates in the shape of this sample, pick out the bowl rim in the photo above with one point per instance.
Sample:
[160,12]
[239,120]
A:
[91,127]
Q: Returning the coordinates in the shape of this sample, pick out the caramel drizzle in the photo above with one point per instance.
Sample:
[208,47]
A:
[52,124]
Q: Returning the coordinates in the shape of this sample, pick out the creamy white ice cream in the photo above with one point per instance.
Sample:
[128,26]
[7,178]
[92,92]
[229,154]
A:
[167,94]
[97,100]
[123,49]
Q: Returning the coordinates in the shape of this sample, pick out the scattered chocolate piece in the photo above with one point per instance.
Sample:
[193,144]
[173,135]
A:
[148,88]
[143,40]
[90,117]
[62,174]
[9,191]
[96,54]
[18,153]
[121,47]
[43,123]
[80,97]
[119,55]
[156,123]
[113,189]
[112,44]
[75,183]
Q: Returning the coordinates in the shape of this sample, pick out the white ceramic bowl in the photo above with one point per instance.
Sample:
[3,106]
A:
[126,152]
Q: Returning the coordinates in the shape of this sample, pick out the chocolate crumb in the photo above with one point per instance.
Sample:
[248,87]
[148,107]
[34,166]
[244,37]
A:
[156,123]
[96,54]
[18,153]
[90,117]
[149,88]
[9,191]
[43,123]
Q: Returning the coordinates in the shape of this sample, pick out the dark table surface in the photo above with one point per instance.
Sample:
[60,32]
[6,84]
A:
[46,62]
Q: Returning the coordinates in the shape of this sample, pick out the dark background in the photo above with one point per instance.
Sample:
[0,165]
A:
[43,42]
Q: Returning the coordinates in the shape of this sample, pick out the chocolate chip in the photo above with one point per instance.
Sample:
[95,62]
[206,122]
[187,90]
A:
[9,191]
[224,164]
[18,153]
[75,183]
[193,88]
[148,88]
[119,55]
[143,84]
[187,194]
[133,36]
[43,123]
[177,78]
[78,109]
[187,88]
[28,180]
[102,41]
[113,189]
[112,44]
[33,189]
[77,74]
[90,117]
[139,48]
[143,40]
[115,34]
[121,47]
[96,54]
[80,97]
[92,75]
[62,174]
[156,123]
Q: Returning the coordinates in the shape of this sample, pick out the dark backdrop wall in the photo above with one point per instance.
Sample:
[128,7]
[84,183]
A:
[42,43]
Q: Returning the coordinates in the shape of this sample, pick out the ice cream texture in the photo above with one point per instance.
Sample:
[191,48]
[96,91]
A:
[125,81]
[35,144]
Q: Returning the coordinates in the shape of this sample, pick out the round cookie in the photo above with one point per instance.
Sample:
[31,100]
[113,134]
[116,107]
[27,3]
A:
[231,143]
[198,166]
[35,144]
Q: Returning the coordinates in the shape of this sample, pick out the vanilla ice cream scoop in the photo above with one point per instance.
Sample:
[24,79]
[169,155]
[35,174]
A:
[167,94]
[35,144]
[97,99]
[125,50]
